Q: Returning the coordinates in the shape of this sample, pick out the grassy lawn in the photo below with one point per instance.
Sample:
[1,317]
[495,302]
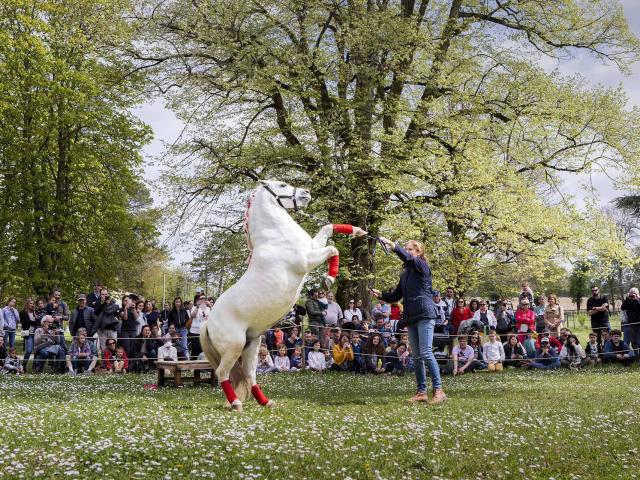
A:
[519,424]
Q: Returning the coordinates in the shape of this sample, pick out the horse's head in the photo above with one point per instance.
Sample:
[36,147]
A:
[288,197]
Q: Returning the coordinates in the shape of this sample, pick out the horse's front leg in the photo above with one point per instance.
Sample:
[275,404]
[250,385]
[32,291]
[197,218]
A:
[320,240]
[320,255]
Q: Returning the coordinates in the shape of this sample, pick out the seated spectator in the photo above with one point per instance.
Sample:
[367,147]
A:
[293,340]
[108,355]
[365,331]
[281,361]
[265,363]
[358,359]
[178,342]
[395,360]
[352,314]
[514,352]
[309,340]
[493,352]
[474,342]
[145,351]
[343,354]
[553,341]
[618,351]
[334,339]
[120,361]
[529,344]
[485,316]
[593,350]
[606,336]
[168,351]
[316,360]
[546,357]
[572,355]
[404,356]
[564,335]
[46,343]
[393,344]
[463,357]
[374,352]
[3,351]
[12,364]
[81,358]
[296,358]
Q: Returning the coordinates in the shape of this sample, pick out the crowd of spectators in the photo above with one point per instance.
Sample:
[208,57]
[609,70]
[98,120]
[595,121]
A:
[130,335]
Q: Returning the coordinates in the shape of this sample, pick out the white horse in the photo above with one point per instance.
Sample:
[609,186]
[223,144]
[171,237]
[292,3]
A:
[282,256]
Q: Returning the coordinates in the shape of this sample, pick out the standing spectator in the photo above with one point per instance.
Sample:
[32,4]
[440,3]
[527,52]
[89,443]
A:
[343,354]
[598,310]
[514,352]
[573,355]
[553,316]
[333,314]
[493,352]
[178,317]
[463,357]
[352,312]
[618,351]
[374,352]
[129,331]
[593,350]
[383,308]
[450,300]
[58,309]
[314,313]
[293,341]
[539,309]
[441,312]
[29,322]
[141,318]
[526,293]
[81,358]
[474,306]
[546,357]
[505,320]
[459,314]
[164,317]
[631,307]
[525,320]
[82,316]
[485,316]
[9,320]
[94,297]
[396,313]
[108,321]
[366,316]
[199,316]
[47,342]
[316,360]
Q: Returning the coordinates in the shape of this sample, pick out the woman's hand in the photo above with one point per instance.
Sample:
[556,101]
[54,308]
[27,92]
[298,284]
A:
[388,243]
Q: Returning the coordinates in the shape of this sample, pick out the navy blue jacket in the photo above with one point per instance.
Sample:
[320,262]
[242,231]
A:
[414,288]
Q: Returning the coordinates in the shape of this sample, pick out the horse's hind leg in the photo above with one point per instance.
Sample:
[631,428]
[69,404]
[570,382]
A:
[230,353]
[249,364]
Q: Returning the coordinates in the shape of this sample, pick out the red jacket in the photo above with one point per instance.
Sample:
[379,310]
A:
[458,316]
[108,358]
[553,341]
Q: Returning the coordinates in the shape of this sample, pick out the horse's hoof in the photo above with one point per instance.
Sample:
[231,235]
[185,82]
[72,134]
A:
[270,404]
[236,406]
[327,282]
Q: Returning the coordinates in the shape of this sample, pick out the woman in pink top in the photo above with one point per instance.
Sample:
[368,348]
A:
[525,320]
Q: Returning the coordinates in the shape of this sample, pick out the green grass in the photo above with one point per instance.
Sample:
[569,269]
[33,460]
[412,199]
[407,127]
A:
[520,424]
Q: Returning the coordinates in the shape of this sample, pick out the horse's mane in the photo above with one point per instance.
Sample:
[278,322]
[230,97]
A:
[245,225]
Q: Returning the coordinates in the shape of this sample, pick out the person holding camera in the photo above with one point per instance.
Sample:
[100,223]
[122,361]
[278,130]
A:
[631,308]
[343,354]
[47,342]
[108,321]
[415,288]
[199,316]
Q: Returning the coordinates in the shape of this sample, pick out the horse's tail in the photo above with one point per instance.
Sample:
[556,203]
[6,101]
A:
[240,382]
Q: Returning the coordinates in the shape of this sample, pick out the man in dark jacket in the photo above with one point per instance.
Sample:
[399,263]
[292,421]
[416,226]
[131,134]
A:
[108,322]
[314,313]
[82,316]
[94,297]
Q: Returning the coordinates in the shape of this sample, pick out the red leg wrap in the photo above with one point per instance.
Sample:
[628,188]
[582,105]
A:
[258,395]
[228,391]
[341,228]
[334,263]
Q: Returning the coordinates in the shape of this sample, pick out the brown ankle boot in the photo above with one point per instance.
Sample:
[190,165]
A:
[438,397]
[419,397]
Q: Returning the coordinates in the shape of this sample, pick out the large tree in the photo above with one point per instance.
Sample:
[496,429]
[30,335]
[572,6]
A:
[70,187]
[426,118]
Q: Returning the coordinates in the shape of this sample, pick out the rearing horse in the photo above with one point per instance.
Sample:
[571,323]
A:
[282,256]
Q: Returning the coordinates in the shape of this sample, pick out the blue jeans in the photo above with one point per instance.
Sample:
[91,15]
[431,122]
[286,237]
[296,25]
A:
[421,340]
[9,338]
[555,363]
[184,341]
[28,348]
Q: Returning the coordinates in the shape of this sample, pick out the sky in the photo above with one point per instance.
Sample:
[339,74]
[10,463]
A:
[167,128]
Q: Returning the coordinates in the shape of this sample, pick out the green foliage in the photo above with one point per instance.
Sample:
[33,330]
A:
[423,119]
[72,207]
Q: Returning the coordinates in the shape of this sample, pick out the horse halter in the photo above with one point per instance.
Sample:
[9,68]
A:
[279,198]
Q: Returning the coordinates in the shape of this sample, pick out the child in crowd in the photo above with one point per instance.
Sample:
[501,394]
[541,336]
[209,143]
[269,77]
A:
[12,363]
[593,350]
[296,358]
[265,363]
[358,359]
[529,344]
[121,362]
[281,362]
[493,352]
[316,361]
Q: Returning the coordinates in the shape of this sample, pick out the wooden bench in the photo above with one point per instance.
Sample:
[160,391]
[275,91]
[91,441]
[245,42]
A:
[176,368]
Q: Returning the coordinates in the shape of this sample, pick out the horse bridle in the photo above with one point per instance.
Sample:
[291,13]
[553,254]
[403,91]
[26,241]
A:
[279,198]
